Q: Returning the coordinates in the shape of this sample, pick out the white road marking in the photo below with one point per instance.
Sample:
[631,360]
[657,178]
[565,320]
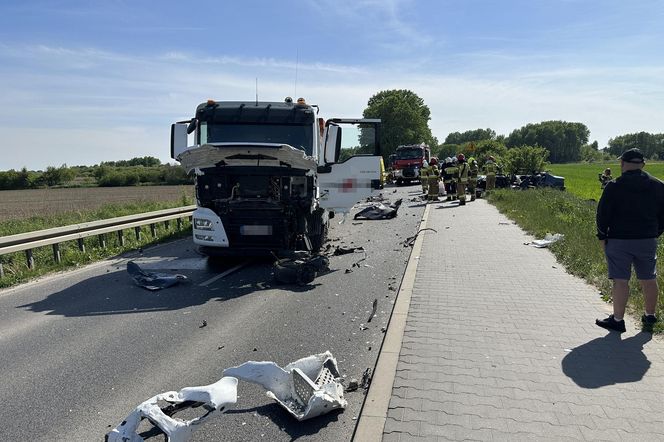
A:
[221,275]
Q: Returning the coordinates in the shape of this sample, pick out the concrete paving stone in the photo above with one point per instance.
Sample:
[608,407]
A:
[473,358]
[399,402]
[609,435]
[411,427]
[396,413]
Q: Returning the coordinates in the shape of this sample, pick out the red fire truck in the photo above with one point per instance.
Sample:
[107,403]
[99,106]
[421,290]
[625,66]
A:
[408,161]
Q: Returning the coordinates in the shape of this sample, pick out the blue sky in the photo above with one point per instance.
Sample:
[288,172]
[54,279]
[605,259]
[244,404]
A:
[88,81]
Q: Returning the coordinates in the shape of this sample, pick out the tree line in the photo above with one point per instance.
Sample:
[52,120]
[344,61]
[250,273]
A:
[405,120]
[133,172]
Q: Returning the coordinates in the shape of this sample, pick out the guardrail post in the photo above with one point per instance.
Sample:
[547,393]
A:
[137,230]
[56,253]
[179,222]
[153,230]
[121,239]
[81,245]
[30,259]
[102,241]
[2,271]
[167,224]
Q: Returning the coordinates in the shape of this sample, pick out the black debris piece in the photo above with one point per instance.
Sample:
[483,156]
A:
[152,281]
[348,271]
[379,211]
[352,385]
[203,324]
[408,242]
[374,306]
[366,379]
[346,250]
[301,270]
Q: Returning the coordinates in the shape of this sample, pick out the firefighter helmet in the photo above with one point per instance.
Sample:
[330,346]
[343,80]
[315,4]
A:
[461,157]
[433,161]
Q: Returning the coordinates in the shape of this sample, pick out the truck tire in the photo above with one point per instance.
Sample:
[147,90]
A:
[317,230]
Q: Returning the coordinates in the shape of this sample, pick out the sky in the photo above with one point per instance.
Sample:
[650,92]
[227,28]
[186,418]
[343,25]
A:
[88,81]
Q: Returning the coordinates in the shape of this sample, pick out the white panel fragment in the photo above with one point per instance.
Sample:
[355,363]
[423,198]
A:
[306,388]
[214,399]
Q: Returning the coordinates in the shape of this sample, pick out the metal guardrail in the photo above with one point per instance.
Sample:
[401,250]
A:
[40,238]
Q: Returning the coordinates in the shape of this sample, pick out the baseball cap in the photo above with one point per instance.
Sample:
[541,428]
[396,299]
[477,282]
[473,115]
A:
[632,156]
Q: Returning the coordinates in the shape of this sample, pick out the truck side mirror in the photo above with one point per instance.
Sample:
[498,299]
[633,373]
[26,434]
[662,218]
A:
[178,139]
[332,144]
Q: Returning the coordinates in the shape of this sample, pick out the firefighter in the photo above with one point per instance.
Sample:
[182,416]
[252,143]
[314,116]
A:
[434,178]
[473,170]
[462,178]
[450,172]
[424,176]
[490,172]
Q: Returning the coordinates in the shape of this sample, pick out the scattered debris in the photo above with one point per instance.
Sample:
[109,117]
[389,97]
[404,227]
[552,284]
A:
[203,324]
[408,242]
[374,306]
[213,399]
[300,270]
[152,281]
[346,250]
[548,240]
[352,385]
[306,388]
[363,327]
[379,211]
[383,329]
[504,223]
[348,271]
[366,379]
[357,223]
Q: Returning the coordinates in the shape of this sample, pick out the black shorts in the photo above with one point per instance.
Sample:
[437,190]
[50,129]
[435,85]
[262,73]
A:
[622,253]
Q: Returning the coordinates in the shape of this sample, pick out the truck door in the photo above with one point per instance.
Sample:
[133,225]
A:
[350,163]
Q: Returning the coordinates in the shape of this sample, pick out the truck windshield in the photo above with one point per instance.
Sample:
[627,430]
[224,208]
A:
[409,154]
[300,136]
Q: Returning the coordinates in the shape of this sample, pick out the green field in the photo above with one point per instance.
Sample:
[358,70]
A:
[581,178]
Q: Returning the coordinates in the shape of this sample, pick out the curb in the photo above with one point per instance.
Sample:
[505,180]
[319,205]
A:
[374,410]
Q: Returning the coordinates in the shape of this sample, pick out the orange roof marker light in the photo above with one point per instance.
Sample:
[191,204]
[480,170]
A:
[301,101]
[211,102]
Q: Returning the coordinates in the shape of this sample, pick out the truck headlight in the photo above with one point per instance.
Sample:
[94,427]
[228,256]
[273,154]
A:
[203,224]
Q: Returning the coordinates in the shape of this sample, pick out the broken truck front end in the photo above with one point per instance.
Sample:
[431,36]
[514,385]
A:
[268,176]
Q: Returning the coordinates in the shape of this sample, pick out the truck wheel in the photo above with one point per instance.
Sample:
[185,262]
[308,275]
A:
[317,230]
[399,182]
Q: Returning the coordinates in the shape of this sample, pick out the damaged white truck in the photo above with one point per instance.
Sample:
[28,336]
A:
[269,175]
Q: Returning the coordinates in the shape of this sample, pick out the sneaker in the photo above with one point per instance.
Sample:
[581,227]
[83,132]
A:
[611,324]
[648,322]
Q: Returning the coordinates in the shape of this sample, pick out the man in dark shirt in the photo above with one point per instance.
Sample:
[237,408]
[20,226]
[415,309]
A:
[630,218]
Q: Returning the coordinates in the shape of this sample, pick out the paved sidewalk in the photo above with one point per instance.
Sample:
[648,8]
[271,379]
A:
[500,344]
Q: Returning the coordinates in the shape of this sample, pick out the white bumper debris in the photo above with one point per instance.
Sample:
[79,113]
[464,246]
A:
[306,388]
[212,399]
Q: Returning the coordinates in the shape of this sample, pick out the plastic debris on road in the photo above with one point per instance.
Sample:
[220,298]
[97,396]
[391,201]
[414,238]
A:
[548,240]
[153,281]
[306,388]
[212,399]
[379,211]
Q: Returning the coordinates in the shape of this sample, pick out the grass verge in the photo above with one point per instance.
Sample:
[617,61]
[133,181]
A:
[545,210]
[15,266]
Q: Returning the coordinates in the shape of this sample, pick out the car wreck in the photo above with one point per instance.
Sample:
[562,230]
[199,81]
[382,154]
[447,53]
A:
[306,388]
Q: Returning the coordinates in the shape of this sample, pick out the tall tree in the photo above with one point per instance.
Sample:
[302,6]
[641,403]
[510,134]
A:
[652,145]
[562,139]
[470,135]
[405,119]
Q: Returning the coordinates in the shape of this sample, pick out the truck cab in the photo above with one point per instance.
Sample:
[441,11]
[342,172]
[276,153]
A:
[268,175]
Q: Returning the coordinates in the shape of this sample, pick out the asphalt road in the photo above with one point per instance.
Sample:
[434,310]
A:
[79,350]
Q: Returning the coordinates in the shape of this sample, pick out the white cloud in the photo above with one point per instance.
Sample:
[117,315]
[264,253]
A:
[82,106]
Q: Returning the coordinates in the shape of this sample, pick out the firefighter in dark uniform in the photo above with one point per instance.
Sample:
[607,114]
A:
[490,169]
[462,178]
[473,171]
[434,178]
[449,178]
[424,176]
